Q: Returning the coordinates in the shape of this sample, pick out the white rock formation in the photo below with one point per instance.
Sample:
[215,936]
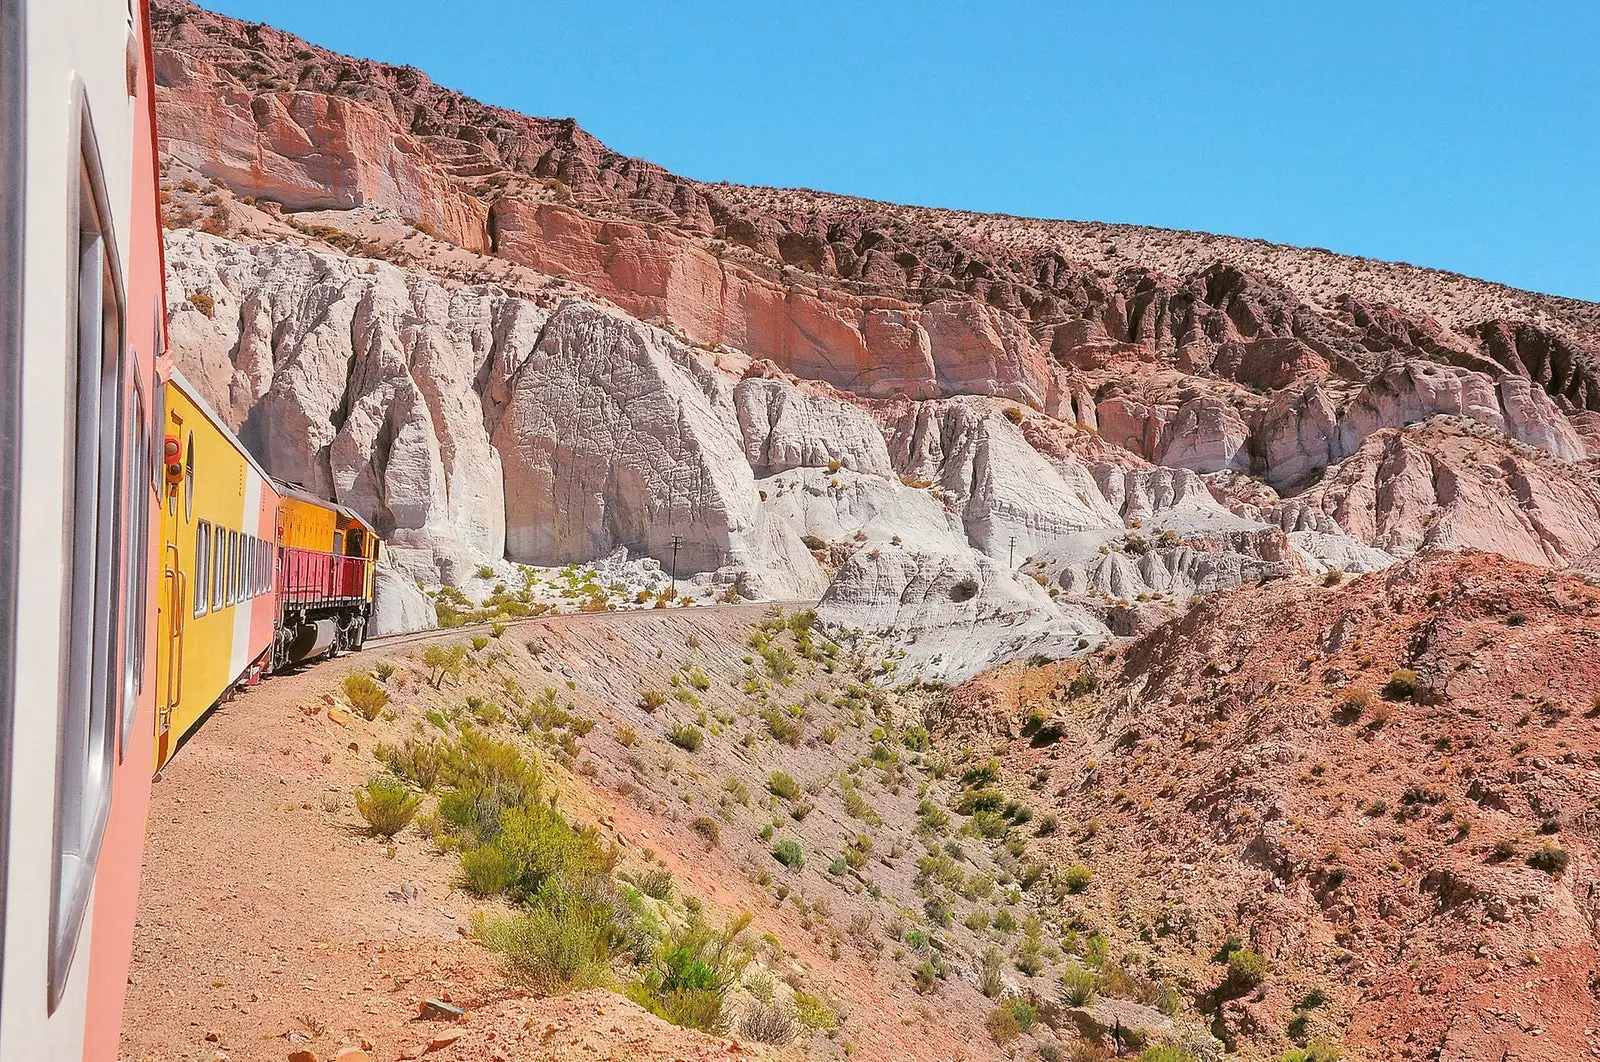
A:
[952,614]
[785,427]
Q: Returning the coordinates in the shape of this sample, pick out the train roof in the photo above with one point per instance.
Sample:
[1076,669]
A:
[193,394]
[284,489]
[290,490]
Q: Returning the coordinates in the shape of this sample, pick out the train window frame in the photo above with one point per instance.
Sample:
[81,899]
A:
[94,523]
[233,567]
[202,568]
[188,481]
[219,565]
[13,217]
[137,563]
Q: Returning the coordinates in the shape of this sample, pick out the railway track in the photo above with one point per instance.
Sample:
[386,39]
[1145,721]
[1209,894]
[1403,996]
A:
[395,640]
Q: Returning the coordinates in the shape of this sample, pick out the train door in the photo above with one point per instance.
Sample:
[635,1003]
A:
[177,562]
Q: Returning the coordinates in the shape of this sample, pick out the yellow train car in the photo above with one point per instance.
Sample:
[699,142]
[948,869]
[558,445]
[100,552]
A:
[218,600]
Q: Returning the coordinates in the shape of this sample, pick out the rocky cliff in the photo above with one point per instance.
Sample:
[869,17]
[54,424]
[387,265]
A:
[499,339]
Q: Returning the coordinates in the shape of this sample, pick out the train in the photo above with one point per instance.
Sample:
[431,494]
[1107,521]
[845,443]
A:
[149,565]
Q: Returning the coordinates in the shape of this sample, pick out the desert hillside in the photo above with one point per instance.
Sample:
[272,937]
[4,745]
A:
[1121,545]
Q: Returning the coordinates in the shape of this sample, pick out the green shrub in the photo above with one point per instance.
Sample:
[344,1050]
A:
[1002,1024]
[1550,858]
[479,642]
[784,786]
[767,1023]
[487,870]
[1079,986]
[689,977]
[1247,968]
[546,850]
[441,662]
[687,737]
[814,1013]
[708,830]
[651,700]
[564,944]
[1167,1053]
[365,694]
[789,853]
[784,728]
[386,804]
[1077,878]
[856,806]
[416,761]
[1318,1050]
[655,883]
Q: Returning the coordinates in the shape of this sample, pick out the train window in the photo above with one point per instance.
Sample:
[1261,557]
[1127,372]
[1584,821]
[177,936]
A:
[219,566]
[233,567]
[202,567]
[188,480]
[94,524]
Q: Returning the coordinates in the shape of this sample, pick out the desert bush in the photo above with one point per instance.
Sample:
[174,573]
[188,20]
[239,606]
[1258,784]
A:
[487,870]
[1318,1050]
[856,806]
[416,761]
[203,302]
[383,669]
[479,642]
[626,736]
[365,694]
[784,728]
[789,853]
[1247,968]
[708,830]
[783,785]
[564,944]
[655,883]
[386,804]
[1077,878]
[651,700]
[813,543]
[546,850]
[1402,685]
[687,737]
[814,1013]
[441,662]
[691,972]
[1079,986]
[1167,1053]
[1550,858]
[768,1023]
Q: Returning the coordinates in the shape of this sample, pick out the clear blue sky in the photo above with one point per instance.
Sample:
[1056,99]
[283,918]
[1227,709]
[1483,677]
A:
[1463,135]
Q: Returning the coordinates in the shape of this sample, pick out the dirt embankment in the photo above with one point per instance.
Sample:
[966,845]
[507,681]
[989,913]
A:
[1385,788]
[271,922]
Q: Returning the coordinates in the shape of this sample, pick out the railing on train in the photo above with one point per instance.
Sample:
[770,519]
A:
[309,578]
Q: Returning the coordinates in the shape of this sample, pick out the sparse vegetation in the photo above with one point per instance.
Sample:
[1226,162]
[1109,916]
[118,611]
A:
[789,853]
[365,695]
[687,737]
[387,805]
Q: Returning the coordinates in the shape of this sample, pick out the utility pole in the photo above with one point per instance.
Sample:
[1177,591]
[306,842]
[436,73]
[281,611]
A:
[1013,551]
[677,540]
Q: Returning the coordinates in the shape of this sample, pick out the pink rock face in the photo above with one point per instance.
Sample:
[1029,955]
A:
[872,346]
[1438,485]
[307,150]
